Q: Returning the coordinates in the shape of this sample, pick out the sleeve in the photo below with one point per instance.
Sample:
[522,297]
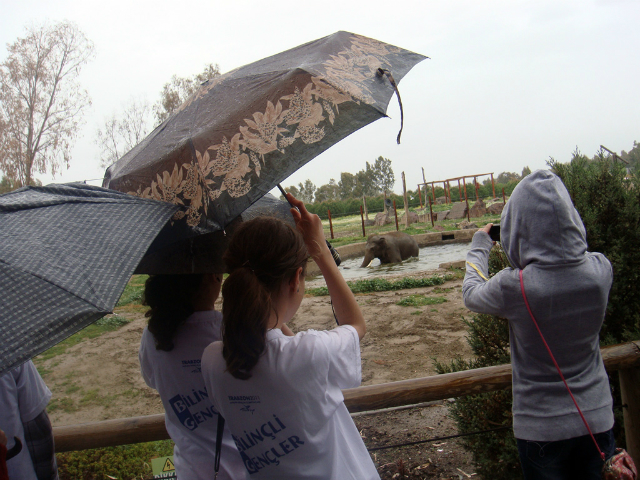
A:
[146,368]
[343,352]
[33,394]
[481,295]
[38,435]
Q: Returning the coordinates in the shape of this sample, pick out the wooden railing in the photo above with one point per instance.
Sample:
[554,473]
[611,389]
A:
[624,358]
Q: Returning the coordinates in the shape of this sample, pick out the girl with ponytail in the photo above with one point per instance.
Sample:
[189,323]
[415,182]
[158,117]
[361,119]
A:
[182,322]
[281,393]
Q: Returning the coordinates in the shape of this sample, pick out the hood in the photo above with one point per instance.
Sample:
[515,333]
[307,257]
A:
[540,225]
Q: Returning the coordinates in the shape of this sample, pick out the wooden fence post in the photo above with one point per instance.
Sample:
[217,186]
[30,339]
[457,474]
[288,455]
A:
[406,202]
[362,218]
[630,391]
[431,212]
[395,211]
[330,224]
[493,186]
[504,199]
[420,196]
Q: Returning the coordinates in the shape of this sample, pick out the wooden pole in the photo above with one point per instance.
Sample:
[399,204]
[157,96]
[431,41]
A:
[406,202]
[395,211]
[493,187]
[504,199]
[466,199]
[364,203]
[459,191]
[430,211]
[330,224]
[424,180]
[475,181]
[407,392]
[362,218]
[420,196]
[433,192]
[630,391]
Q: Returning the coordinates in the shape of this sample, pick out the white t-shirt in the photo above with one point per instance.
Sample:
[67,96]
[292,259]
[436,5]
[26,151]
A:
[190,417]
[289,419]
[23,396]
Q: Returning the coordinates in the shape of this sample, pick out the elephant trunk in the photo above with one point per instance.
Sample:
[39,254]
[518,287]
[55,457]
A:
[368,257]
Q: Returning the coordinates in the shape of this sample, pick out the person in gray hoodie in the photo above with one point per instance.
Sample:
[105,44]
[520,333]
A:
[567,288]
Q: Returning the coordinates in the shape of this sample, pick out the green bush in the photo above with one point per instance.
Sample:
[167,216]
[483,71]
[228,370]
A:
[495,453]
[125,462]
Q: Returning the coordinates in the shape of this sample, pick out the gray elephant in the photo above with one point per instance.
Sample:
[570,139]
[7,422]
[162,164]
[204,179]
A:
[390,247]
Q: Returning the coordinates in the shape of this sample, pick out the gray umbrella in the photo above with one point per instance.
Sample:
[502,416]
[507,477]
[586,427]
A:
[244,132]
[66,254]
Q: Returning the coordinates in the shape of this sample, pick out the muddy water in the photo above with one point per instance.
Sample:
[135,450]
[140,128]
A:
[430,258]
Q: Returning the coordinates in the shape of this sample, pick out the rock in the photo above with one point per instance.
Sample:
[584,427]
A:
[458,210]
[369,223]
[465,225]
[496,208]
[478,209]
[424,218]
[382,219]
[441,200]
[413,218]
[443,215]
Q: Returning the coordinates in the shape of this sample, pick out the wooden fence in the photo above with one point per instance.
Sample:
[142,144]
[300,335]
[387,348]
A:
[624,358]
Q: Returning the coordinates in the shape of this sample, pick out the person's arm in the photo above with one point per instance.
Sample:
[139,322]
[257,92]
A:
[344,303]
[286,330]
[479,293]
[38,435]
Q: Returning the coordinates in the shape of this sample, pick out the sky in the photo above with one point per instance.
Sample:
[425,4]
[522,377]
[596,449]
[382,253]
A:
[508,84]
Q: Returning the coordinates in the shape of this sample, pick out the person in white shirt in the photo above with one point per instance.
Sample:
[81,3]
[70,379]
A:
[23,417]
[182,322]
[280,394]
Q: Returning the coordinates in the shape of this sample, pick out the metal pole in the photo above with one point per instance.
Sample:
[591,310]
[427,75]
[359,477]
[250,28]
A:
[330,224]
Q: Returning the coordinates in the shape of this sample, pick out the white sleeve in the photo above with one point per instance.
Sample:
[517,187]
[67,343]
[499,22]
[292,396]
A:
[343,348]
[146,368]
[33,394]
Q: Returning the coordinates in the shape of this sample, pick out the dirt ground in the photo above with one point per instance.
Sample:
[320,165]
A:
[99,379]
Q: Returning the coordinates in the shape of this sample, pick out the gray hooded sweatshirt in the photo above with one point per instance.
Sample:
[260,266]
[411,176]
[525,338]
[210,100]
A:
[567,289]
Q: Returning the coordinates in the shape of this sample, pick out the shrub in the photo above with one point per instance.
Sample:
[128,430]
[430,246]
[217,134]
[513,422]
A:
[495,453]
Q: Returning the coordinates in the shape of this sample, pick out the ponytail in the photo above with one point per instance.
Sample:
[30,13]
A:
[170,301]
[263,253]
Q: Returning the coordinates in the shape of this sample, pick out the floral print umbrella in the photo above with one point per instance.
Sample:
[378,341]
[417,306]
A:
[246,131]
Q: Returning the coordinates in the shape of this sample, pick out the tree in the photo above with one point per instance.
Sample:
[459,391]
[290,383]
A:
[506,177]
[633,157]
[383,175]
[121,134]
[329,191]
[41,102]
[178,89]
[293,190]
[525,171]
[306,191]
[346,185]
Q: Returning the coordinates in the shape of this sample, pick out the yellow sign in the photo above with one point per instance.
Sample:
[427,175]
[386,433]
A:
[162,465]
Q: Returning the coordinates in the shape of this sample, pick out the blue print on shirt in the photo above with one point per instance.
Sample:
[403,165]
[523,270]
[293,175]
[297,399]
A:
[272,446]
[189,410]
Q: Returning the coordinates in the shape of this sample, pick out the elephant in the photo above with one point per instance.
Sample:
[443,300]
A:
[390,247]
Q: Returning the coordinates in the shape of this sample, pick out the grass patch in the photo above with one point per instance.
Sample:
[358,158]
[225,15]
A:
[125,461]
[420,301]
[132,293]
[382,285]
[61,403]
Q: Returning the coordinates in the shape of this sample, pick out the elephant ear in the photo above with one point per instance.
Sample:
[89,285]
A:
[381,241]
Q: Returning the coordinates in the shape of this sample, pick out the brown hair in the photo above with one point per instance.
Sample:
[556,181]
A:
[263,253]
[170,300]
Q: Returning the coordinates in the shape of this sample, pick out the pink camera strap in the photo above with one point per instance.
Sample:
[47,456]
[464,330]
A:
[557,367]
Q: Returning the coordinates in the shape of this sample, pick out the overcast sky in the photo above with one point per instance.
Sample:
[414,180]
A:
[509,83]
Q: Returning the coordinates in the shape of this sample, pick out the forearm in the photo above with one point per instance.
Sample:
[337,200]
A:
[346,308]
[478,292]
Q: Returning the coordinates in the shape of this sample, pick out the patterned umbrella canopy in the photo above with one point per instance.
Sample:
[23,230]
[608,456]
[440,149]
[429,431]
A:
[66,254]
[245,131]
